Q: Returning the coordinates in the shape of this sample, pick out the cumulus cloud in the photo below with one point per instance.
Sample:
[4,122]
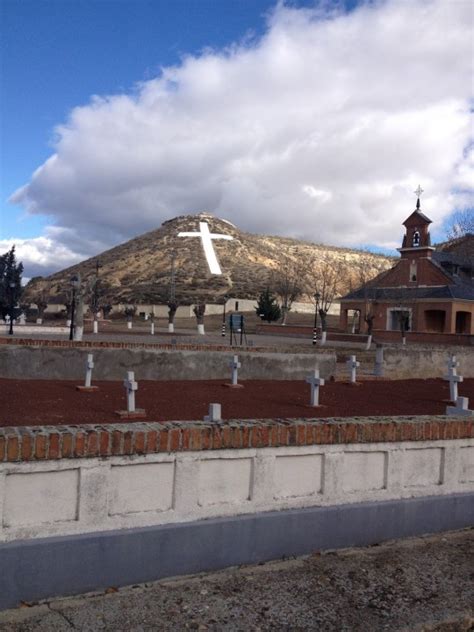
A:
[321,130]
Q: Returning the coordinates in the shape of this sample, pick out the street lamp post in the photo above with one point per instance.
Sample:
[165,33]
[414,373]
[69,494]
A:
[95,306]
[317,296]
[223,317]
[74,282]
[12,306]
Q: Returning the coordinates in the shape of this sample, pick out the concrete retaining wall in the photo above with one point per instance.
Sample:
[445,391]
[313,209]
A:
[73,496]
[423,362]
[148,508]
[45,362]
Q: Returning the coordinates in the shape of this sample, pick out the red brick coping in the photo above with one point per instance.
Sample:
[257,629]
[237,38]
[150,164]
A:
[69,442]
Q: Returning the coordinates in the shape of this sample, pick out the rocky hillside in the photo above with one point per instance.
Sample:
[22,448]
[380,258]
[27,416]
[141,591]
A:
[139,271]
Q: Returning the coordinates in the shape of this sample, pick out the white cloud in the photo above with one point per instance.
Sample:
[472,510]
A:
[322,130]
[40,255]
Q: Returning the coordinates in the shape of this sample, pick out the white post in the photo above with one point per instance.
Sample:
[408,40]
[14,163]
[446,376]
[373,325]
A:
[129,324]
[131,386]
[201,331]
[235,366]
[369,342]
[353,365]
[315,382]
[214,413]
[323,338]
[453,378]
[170,328]
[95,326]
[89,367]
[152,328]
[378,369]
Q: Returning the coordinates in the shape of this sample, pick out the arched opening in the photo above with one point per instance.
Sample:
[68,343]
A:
[463,322]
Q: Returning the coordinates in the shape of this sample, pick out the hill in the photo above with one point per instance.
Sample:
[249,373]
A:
[140,270]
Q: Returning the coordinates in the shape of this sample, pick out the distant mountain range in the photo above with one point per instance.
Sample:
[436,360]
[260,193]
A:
[140,270]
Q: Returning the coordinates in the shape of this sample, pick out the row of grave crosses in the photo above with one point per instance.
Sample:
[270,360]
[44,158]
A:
[131,386]
[314,380]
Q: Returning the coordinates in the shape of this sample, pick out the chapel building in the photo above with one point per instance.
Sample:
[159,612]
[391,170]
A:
[428,295]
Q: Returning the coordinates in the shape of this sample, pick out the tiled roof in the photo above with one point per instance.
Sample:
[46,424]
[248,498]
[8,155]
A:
[456,291]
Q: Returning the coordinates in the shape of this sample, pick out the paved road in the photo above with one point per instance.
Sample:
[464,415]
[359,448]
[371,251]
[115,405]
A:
[420,584]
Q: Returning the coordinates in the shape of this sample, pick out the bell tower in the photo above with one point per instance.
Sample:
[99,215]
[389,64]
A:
[416,241]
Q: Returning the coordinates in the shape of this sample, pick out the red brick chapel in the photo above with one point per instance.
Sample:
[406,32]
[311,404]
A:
[427,296]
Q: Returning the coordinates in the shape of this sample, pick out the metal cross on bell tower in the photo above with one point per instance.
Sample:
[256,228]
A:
[418,193]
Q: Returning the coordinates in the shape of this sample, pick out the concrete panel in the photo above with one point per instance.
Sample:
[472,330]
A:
[224,481]
[466,465]
[297,476]
[422,467]
[364,471]
[41,497]
[141,487]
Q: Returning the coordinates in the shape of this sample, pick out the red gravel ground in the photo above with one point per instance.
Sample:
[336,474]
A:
[38,402]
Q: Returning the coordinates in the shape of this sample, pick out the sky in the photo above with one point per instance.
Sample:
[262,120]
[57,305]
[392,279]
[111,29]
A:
[315,120]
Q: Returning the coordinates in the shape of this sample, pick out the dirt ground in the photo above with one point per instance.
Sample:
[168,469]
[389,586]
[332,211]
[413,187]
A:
[415,585]
[38,402]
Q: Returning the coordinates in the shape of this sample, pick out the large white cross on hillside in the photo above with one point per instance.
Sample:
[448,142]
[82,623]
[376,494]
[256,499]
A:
[207,238]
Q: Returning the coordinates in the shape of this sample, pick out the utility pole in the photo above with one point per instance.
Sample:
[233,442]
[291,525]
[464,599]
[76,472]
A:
[172,290]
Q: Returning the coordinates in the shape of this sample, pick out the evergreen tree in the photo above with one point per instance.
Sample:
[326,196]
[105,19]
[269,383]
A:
[10,284]
[267,307]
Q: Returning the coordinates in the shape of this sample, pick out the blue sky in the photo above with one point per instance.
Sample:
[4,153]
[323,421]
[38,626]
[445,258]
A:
[57,54]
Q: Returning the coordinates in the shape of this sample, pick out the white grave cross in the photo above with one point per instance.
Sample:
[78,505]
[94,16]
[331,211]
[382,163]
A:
[452,363]
[453,380]
[315,382]
[235,366]
[89,367]
[207,238]
[131,386]
[352,364]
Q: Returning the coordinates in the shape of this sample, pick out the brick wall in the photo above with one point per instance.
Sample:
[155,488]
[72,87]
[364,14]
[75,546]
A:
[427,273]
[24,444]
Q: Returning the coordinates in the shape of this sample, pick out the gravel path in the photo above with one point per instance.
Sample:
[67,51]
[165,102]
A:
[419,584]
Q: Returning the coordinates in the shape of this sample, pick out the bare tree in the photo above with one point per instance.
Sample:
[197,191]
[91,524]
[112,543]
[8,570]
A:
[288,284]
[323,283]
[41,301]
[365,269]
[98,291]
[172,309]
[462,224]
[199,310]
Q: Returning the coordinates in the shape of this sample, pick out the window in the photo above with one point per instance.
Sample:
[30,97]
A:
[413,271]
[399,319]
[416,238]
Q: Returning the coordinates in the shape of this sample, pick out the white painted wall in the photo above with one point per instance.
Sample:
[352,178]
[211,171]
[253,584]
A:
[73,496]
